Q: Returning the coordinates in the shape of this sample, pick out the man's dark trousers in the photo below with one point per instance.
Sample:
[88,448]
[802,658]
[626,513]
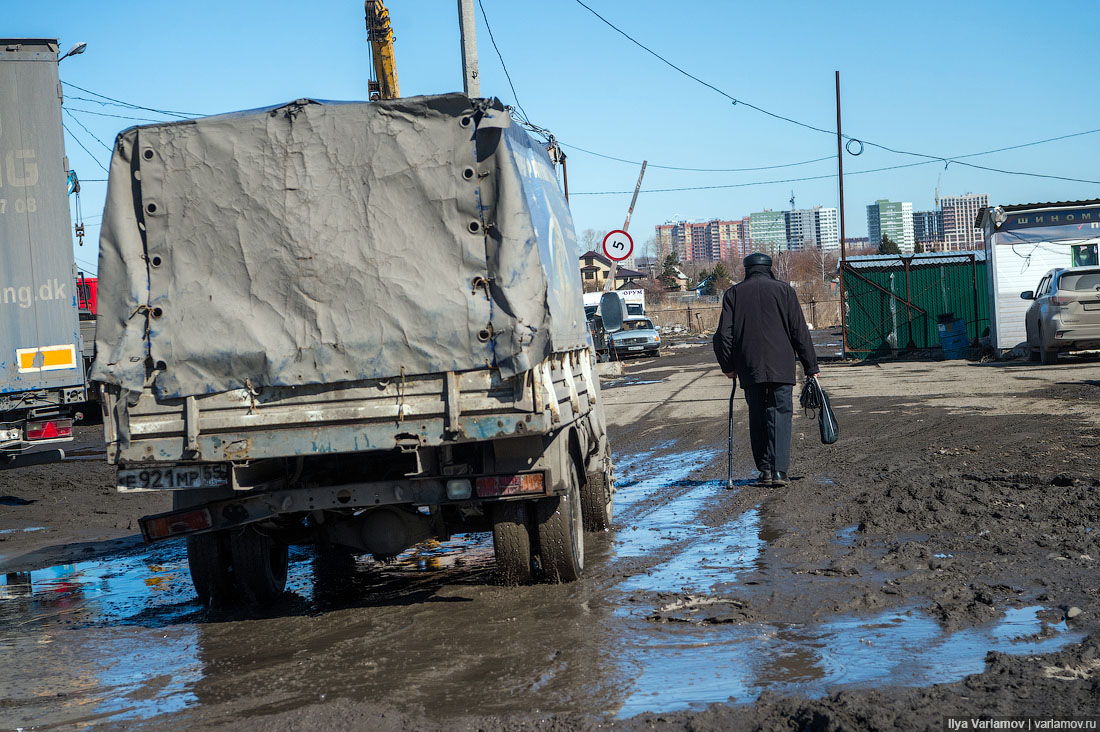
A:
[770,410]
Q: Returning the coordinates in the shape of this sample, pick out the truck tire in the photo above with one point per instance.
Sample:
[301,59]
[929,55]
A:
[596,501]
[561,532]
[208,557]
[512,542]
[259,565]
[210,563]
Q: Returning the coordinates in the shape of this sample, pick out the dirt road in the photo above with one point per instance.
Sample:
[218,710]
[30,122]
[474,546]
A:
[924,565]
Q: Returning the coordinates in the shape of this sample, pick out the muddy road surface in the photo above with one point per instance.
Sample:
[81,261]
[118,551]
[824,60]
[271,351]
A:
[941,558]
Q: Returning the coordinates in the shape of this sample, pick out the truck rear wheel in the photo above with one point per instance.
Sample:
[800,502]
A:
[208,556]
[561,532]
[259,565]
[596,500]
[512,542]
[209,560]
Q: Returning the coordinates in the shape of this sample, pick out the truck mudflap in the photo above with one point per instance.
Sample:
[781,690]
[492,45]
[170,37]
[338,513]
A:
[254,507]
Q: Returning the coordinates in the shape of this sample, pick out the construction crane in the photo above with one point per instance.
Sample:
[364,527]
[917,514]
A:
[383,73]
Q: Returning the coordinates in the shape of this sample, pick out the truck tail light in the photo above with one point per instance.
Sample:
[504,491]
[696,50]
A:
[185,522]
[510,485]
[51,429]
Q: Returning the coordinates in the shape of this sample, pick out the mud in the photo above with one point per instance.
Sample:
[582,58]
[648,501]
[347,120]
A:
[925,565]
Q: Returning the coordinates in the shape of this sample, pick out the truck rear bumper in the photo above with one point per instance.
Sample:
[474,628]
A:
[251,508]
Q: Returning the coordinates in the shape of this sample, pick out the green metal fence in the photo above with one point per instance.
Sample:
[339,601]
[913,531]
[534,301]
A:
[894,303]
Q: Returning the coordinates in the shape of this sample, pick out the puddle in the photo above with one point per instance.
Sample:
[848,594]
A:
[847,535]
[692,666]
[707,557]
[118,638]
[20,531]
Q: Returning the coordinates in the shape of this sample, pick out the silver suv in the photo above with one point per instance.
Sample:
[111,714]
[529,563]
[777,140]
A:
[1065,315]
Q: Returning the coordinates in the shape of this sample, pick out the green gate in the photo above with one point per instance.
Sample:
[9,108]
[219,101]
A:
[894,303]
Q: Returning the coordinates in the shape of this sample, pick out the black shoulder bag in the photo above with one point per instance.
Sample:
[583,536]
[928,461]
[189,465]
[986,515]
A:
[814,399]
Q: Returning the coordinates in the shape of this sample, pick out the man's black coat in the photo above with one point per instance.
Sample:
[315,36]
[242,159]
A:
[761,331]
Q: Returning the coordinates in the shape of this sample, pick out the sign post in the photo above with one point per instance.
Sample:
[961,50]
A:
[617,246]
[610,284]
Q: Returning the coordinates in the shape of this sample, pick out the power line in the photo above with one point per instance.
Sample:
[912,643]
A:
[105,114]
[93,267]
[101,142]
[508,76]
[750,183]
[947,160]
[697,170]
[184,115]
[78,142]
[1030,175]
[898,151]
[696,78]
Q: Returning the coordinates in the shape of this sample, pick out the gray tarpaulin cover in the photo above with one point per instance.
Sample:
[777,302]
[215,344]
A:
[316,243]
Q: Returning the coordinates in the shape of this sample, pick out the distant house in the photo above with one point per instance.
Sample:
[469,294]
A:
[596,268]
[682,280]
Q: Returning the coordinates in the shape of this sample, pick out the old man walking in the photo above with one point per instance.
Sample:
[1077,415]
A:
[760,333]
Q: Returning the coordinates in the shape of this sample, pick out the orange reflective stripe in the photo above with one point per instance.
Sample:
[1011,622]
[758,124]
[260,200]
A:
[57,356]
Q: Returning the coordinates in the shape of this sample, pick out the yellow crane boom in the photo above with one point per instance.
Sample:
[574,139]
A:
[383,82]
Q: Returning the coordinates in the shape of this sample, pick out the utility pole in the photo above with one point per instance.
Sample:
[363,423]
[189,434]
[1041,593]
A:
[610,284]
[467,29]
[840,179]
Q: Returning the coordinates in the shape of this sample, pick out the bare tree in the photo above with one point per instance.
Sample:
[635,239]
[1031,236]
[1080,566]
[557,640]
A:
[593,239]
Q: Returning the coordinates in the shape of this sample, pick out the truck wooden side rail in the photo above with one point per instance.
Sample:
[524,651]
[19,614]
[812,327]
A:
[373,466]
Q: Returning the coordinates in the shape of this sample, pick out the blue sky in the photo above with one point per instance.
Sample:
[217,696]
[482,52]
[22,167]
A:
[940,78]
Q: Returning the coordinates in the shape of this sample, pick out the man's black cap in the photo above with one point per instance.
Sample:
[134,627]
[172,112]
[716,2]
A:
[758,260]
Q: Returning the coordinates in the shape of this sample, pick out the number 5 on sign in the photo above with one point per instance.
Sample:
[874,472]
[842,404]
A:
[618,245]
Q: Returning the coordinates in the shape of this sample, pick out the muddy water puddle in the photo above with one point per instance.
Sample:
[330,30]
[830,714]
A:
[124,638]
[697,650]
[692,665]
[121,638]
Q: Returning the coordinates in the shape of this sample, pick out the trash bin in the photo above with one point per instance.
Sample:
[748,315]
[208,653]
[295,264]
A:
[953,337]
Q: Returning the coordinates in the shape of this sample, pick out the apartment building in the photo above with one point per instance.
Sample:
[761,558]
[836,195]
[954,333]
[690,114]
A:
[699,241]
[895,220]
[768,231]
[928,226]
[959,215]
[813,228]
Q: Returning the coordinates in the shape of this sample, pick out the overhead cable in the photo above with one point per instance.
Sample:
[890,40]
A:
[822,177]
[183,115]
[697,170]
[827,157]
[105,114]
[732,98]
[90,153]
[940,158]
[73,117]
[748,184]
[508,76]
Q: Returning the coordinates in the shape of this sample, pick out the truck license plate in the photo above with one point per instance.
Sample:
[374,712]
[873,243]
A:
[174,477]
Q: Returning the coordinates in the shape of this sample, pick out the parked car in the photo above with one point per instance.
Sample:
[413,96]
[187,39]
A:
[638,337]
[1065,314]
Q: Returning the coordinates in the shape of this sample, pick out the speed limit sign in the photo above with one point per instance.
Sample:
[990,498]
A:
[618,245]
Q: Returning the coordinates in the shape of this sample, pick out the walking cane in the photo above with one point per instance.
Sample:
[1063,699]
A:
[729,445]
